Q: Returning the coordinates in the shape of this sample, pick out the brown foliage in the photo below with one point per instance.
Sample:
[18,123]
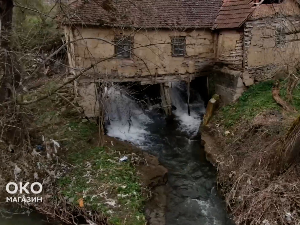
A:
[259,172]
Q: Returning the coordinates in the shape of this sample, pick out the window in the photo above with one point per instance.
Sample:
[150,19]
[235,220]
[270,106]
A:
[123,47]
[178,46]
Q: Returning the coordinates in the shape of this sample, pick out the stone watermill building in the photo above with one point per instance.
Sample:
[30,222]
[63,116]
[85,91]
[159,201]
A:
[233,43]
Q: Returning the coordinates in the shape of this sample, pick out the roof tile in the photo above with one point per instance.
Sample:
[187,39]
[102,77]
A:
[233,13]
[145,13]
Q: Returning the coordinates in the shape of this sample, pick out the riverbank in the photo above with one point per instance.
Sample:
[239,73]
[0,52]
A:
[247,142]
[114,184]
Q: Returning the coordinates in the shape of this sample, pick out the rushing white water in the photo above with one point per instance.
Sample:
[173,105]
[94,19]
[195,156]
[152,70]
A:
[127,120]
[188,123]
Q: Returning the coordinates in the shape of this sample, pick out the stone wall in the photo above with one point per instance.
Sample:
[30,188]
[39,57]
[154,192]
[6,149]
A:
[152,54]
[272,40]
[227,83]
[230,49]
[271,45]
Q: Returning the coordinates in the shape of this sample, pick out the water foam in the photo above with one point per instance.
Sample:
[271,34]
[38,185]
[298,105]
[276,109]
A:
[127,120]
[188,123]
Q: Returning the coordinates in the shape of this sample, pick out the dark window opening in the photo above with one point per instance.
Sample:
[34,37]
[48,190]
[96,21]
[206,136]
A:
[272,1]
[123,47]
[178,46]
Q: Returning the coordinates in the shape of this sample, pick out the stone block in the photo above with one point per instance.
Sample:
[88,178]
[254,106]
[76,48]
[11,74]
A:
[247,79]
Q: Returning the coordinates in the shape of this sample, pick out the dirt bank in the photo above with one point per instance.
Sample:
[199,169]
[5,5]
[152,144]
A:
[247,142]
[153,177]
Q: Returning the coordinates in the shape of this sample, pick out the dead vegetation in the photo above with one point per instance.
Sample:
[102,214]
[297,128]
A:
[259,161]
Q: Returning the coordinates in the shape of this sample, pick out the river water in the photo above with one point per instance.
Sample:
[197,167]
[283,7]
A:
[193,198]
[25,217]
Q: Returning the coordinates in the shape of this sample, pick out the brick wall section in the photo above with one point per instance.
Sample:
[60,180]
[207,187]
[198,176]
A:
[230,49]
[271,46]
[234,59]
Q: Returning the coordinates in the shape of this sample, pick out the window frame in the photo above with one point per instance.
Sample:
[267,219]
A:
[175,43]
[120,42]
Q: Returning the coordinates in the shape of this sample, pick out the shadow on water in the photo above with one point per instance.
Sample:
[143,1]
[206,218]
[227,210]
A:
[25,218]
[192,195]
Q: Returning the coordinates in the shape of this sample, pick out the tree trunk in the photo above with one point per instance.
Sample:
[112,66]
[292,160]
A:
[9,73]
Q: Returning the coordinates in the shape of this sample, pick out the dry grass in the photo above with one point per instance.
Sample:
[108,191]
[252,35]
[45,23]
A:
[260,185]
[259,164]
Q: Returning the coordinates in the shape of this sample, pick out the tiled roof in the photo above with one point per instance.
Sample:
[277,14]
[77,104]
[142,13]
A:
[233,13]
[145,13]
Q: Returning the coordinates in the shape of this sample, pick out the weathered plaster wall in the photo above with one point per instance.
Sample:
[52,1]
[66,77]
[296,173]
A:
[272,40]
[152,53]
[271,45]
[286,8]
[230,48]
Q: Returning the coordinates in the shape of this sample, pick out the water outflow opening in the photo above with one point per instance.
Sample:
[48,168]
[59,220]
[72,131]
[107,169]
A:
[130,113]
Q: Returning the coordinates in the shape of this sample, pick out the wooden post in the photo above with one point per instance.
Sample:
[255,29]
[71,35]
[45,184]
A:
[188,94]
[166,98]
[10,71]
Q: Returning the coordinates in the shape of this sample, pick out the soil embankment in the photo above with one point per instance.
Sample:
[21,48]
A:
[251,142]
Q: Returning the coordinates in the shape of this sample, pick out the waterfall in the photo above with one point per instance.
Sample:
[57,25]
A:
[126,119]
[188,123]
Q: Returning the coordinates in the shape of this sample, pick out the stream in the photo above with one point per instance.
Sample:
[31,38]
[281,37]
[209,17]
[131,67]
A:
[193,199]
